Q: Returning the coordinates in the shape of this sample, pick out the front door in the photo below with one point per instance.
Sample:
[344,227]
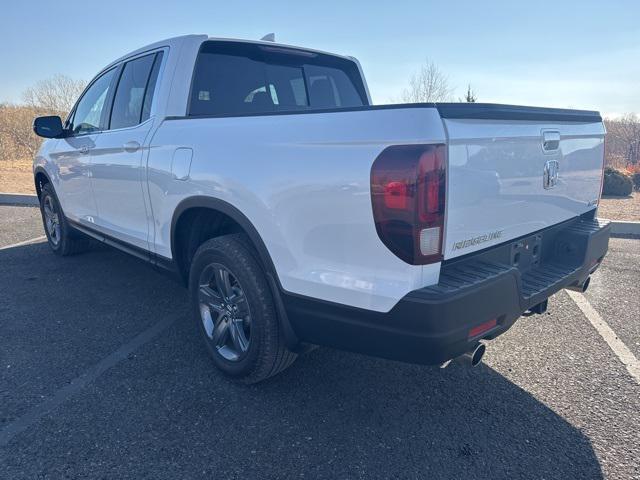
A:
[72,154]
[72,159]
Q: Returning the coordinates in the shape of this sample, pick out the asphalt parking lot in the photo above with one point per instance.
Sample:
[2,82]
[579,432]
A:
[102,376]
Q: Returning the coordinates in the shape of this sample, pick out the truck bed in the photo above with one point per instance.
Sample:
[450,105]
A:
[311,200]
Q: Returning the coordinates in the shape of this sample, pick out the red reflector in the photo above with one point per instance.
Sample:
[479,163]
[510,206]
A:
[483,327]
[395,195]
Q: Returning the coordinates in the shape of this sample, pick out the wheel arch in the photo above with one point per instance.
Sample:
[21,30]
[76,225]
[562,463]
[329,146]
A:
[217,206]
[40,177]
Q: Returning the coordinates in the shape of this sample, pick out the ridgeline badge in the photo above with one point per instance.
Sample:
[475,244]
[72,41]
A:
[469,242]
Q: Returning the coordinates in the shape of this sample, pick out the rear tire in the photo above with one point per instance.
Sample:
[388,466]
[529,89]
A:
[235,312]
[61,236]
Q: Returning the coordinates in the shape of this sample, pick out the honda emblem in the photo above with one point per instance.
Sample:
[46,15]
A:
[550,175]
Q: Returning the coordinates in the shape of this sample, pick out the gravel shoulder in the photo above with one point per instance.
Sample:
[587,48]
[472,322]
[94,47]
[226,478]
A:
[620,208]
[16,177]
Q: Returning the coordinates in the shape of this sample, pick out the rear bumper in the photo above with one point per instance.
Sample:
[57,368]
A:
[433,324]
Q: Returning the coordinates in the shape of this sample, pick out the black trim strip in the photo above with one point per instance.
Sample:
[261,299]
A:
[164,263]
[201,201]
[493,111]
[477,111]
[40,169]
[305,111]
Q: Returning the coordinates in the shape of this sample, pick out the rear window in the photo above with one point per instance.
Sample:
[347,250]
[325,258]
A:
[238,79]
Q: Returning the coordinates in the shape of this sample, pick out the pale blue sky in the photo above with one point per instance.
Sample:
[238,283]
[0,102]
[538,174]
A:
[581,54]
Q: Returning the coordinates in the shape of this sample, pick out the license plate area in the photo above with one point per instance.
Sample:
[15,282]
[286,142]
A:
[526,253]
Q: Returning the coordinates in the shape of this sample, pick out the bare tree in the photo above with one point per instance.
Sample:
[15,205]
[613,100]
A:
[629,133]
[55,94]
[428,84]
[470,96]
[623,141]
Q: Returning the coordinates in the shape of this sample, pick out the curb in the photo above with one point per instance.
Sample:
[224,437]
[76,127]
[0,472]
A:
[19,199]
[625,229]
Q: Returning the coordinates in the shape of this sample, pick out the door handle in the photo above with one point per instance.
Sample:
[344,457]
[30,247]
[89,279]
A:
[131,146]
[550,140]
[84,149]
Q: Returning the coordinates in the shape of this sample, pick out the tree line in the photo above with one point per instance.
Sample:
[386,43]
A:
[52,96]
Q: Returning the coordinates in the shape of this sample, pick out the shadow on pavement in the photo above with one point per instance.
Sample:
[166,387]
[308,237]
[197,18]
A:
[166,413]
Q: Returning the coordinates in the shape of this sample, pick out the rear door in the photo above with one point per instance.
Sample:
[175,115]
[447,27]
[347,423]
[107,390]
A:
[117,161]
[515,170]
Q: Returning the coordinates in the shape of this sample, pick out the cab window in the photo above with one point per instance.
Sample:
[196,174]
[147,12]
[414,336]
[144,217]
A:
[89,110]
[237,79]
[133,96]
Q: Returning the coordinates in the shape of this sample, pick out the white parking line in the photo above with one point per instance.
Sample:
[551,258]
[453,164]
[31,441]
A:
[25,242]
[74,386]
[606,332]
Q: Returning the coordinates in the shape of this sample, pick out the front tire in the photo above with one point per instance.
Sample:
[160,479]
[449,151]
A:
[62,238]
[235,312]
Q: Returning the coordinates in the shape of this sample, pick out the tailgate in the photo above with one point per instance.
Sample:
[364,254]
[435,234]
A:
[516,170]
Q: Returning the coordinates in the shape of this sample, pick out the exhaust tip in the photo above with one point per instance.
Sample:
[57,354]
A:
[473,357]
[477,354]
[580,287]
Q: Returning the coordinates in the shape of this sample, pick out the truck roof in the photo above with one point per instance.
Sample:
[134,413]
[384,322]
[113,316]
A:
[199,38]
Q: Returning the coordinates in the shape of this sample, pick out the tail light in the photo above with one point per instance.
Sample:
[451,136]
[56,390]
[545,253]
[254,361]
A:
[408,197]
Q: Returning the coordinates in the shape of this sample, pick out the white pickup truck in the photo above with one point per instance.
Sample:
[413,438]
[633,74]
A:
[299,214]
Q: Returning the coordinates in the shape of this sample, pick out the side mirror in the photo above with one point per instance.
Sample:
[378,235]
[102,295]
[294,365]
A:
[48,127]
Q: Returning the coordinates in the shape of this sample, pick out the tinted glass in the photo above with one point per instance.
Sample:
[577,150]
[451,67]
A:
[235,78]
[88,112]
[229,84]
[330,88]
[127,104]
[287,83]
[151,88]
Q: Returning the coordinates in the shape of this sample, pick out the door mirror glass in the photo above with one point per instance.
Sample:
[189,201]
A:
[48,127]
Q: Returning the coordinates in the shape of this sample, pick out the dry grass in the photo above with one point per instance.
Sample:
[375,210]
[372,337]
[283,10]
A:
[16,177]
[620,208]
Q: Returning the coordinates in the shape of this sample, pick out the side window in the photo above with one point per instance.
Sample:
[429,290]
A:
[151,87]
[88,113]
[130,93]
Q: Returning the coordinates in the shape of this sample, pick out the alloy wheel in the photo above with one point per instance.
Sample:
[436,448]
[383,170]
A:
[51,220]
[224,312]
